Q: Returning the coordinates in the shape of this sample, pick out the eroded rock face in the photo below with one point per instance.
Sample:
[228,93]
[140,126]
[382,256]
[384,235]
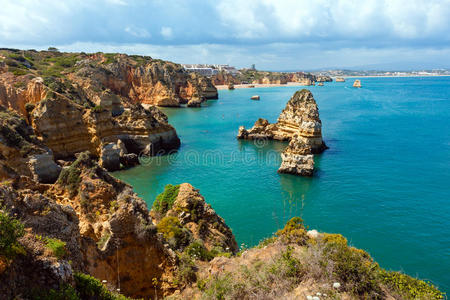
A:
[116,230]
[21,153]
[110,157]
[37,267]
[298,123]
[17,91]
[68,128]
[44,168]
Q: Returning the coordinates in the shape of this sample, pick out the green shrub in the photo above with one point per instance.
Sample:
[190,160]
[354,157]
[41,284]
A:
[170,227]
[65,292]
[197,250]
[410,288]
[293,232]
[287,266]
[17,71]
[260,280]
[187,271]
[110,58]
[220,287]
[89,287]
[13,139]
[353,267]
[165,200]
[57,246]
[70,177]
[10,231]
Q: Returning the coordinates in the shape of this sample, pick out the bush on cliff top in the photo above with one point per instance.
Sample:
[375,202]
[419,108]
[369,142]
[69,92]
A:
[293,232]
[410,288]
[322,261]
[165,200]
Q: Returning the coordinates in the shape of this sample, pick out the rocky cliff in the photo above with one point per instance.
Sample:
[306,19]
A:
[99,79]
[265,77]
[68,128]
[200,221]
[76,102]
[21,153]
[91,223]
[298,123]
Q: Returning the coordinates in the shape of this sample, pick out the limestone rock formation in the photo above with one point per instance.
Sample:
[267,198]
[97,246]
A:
[44,168]
[21,153]
[357,83]
[37,267]
[297,158]
[298,123]
[340,79]
[199,218]
[108,80]
[195,102]
[116,230]
[68,128]
[110,157]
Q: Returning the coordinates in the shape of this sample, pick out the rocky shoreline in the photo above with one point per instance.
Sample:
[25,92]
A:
[70,230]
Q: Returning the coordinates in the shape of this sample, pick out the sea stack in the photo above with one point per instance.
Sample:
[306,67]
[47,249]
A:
[298,123]
[357,83]
[340,79]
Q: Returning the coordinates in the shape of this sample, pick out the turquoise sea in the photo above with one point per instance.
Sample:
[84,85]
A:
[384,183]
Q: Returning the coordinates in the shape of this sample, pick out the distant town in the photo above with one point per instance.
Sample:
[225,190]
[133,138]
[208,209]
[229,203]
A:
[210,70]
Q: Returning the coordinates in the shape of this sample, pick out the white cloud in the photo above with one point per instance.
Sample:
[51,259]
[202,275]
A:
[137,32]
[272,19]
[167,32]
[239,32]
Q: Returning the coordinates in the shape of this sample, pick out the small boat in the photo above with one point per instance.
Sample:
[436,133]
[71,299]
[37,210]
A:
[320,84]
[255,97]
[357,83]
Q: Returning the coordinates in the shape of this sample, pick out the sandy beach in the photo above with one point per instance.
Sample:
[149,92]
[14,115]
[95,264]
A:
[257,85]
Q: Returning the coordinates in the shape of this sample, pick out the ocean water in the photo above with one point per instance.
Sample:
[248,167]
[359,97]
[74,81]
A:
[384,183]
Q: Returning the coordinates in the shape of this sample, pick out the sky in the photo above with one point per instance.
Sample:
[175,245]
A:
[273,34]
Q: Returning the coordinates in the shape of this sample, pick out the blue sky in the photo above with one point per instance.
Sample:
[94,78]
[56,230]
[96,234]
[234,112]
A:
[273,34]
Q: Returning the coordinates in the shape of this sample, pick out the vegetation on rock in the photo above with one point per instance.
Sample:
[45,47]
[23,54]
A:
[70,176]
[165,200]
[292,261]
[57,247]
[11,230]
